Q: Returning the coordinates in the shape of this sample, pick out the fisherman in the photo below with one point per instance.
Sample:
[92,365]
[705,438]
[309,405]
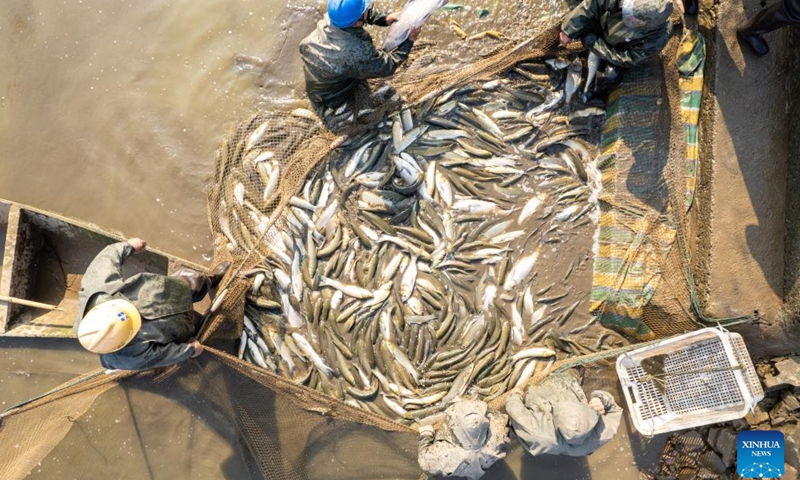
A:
[143,321]
[622,33]
[777,15]
[556,417]
[469,440]
[339,56]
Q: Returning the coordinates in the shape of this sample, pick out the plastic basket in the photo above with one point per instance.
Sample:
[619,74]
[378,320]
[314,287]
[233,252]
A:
[699,378]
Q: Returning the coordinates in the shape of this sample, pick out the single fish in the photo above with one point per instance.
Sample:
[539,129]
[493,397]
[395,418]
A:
[592,63]
[402,360]
[530,207]
[312,355]
[409,279]
[573,81]
[350,290]
[552,102]
[517,330]
[413,15]
[533,352]
[521,270]
[557,64]
[470,205]
[567,212]
[538,315]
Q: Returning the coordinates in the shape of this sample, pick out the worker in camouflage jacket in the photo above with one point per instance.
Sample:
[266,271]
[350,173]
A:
[556,418]
[465,443]
[339,56]
[622,33]
[143,321]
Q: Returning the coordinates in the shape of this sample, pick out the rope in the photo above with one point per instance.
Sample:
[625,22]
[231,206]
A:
[60,388]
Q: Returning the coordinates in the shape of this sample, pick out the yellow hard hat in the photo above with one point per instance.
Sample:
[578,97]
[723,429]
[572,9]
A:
[109,326]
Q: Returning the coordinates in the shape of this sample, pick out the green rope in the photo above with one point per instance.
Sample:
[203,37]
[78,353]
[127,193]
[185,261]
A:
[583,360]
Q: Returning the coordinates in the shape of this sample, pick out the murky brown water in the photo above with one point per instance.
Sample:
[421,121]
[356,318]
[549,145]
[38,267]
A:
[144,433]
[110,111]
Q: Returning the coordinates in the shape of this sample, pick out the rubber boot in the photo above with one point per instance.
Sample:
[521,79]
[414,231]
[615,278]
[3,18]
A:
[604,82]
[216,273]
[690,7]
[199,283]
[780,14]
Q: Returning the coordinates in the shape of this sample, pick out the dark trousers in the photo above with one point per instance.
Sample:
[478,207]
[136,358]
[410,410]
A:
[198,282]
[777,15]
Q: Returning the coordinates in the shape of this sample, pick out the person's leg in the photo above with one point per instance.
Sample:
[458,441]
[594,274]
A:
[199,282]
[777,15]
[608,77]
[690,7]
[333,117]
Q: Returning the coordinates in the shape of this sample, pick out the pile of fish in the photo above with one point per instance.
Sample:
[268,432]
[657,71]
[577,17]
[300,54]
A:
[407,270]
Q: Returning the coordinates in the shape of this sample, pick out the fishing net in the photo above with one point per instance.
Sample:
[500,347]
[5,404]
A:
[286,402]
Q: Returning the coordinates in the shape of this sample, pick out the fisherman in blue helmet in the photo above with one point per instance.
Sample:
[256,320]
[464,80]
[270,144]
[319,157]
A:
[339,56]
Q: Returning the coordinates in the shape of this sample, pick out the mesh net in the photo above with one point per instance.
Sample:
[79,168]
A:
[273,161]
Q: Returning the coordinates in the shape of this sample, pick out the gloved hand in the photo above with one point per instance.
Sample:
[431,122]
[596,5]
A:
[589,40]
[425,429]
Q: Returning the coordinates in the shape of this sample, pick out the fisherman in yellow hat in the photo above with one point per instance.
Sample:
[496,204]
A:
[143,321]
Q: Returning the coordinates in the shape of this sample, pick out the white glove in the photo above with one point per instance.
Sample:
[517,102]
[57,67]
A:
[425,429]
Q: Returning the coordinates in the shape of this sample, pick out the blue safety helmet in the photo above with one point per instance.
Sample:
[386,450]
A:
[344,13]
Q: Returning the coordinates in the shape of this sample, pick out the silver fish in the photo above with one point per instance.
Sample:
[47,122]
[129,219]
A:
[592,63]
[573,80]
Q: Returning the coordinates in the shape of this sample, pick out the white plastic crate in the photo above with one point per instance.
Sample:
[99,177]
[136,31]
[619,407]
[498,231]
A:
[688,381]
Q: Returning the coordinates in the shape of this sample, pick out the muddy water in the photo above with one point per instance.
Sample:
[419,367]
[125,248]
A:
[111,111]
[141,433]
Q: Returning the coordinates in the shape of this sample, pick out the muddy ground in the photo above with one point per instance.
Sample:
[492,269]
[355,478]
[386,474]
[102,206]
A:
[745,216]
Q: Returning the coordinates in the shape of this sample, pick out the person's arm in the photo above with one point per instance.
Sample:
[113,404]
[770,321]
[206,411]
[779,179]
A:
[153,355]
[611,419]
[531,426]
[382,64]
[578,20]
[627,58]
[498,439]
[377,18]
[107,265]
[437,457]
[635,54]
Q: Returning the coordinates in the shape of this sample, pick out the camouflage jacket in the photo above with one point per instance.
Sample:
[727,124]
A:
[616,43]
[335,60]
[163,302]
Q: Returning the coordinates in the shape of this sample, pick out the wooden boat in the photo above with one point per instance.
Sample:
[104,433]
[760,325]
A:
[44,258]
